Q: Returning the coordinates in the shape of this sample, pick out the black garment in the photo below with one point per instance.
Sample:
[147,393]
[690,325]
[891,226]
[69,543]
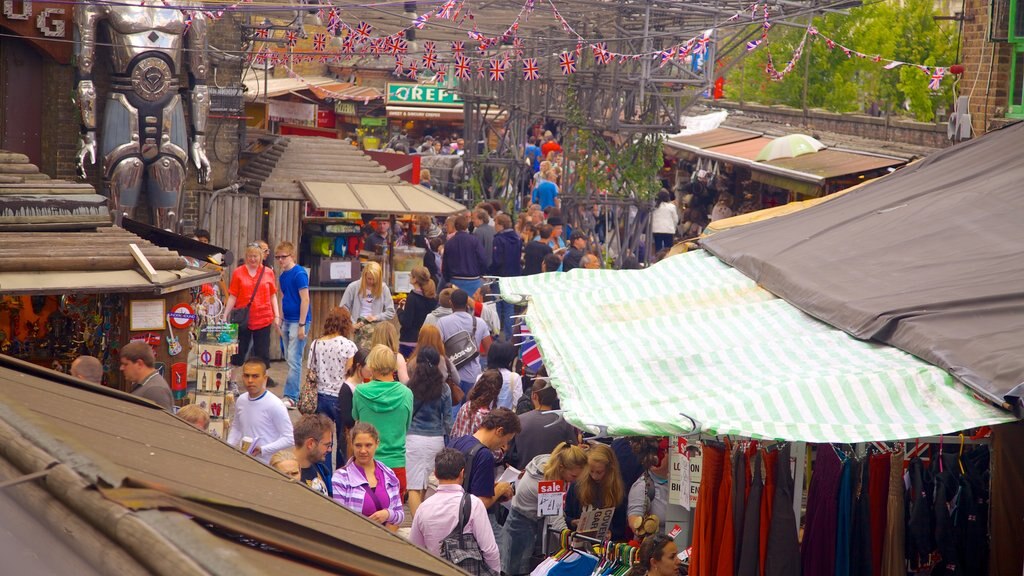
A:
[260,340]
[739,500]
[316,472]
[972,522]
[748,547]
[344,421]
[411,317]
[860,535]
[534,254]
[920,541]
[946,495]
[783,554]
[630,470]
[572,259]
[573,511]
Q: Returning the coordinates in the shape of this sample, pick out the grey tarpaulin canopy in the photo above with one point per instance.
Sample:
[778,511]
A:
[929,259]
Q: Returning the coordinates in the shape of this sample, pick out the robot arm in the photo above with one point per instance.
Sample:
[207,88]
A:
[87,15]
[199,98]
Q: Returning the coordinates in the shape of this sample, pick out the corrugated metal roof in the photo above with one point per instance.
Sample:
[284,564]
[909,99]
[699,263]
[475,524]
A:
[379,198]
[711,138]
[116,441]
[832,163]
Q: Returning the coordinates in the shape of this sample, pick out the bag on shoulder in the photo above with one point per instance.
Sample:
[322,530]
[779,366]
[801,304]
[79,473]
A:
[452,381]
[461,347]
[462,549]
[308,393]
[240,316]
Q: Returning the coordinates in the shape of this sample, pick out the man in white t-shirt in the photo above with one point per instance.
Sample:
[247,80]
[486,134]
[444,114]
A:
[462,320]
[260,415]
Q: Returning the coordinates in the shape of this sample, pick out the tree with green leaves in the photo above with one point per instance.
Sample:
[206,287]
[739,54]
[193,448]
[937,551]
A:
[903,31]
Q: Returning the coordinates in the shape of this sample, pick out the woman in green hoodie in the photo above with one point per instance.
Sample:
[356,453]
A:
[387,405]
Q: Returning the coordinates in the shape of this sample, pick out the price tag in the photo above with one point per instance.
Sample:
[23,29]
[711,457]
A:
[550,497]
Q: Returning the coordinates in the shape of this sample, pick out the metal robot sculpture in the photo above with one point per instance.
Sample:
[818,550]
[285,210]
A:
[144,142]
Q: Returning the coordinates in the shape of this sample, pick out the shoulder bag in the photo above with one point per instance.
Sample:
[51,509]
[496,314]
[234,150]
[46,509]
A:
[453,383]
[462,549]
[462,347]
[308,393]
[240,316]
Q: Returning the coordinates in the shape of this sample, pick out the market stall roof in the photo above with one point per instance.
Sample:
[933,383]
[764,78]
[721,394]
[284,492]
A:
[169,498]
[348,91]
[635,350]
[257,87]
[379,198]
[927,259]
[806,172]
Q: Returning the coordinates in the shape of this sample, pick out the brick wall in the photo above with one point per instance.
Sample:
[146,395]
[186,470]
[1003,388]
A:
[986,77]
[59,130]
[875,128]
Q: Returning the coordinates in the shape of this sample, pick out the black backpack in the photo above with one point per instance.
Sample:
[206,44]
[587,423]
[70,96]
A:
[462,549]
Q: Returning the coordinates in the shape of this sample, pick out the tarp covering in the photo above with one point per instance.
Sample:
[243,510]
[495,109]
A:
[633,349]
[929,259]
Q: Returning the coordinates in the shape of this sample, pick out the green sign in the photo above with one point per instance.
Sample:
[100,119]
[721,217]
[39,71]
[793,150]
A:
[370,121]
[418,94]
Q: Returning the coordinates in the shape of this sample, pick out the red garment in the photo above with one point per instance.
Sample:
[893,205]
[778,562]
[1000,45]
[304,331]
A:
[704,543]
[878,492]
[722,560]
[771,457]
[261,313]
[548,147]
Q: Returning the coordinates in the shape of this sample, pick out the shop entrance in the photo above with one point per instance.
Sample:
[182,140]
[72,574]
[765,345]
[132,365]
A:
[21,108]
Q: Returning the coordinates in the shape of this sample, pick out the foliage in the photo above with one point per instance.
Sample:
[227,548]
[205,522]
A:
[629,169]
[904,31]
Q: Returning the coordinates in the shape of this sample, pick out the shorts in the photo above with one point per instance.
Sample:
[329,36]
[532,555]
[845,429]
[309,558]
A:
[420,452]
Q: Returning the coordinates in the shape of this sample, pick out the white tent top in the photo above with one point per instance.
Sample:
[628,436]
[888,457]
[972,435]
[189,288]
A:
[379,198]
[634,350]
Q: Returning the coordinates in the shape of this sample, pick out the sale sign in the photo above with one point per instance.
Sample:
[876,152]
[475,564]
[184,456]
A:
[550,497]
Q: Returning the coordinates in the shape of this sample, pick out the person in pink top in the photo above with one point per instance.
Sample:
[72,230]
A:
[439,515]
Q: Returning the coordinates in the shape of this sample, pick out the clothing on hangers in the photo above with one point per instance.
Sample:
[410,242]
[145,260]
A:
[920,531]
[708,514]
[879,493]
[748,546]
[740,476]
[771,456]
[860,538]
[725,537]
[893,561]
[782,552]
[818,549]
[844,518]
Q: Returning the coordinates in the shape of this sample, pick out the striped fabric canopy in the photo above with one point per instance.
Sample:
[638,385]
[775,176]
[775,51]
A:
[634,350]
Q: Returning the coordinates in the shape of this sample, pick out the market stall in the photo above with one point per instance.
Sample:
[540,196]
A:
[73,284]
[694,348]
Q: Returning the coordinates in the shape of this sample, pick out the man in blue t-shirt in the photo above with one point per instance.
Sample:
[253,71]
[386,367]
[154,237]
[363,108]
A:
[533,153]
[495,432]
[546,192]
[294,282]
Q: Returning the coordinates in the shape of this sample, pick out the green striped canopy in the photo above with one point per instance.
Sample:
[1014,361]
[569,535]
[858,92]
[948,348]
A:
[632,350]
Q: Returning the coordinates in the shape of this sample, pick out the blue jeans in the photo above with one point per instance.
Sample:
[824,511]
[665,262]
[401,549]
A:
[293,354]
[505,311]
[328,406]
[468,286]
[518,539]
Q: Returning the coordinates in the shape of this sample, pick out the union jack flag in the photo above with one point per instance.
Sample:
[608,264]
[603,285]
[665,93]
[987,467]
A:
[754,43]
[446,9]
[517,44]
[440,74]
[400,46]
[333,22]
[346,45]
[529,353]
[420,22]
[292,36]
[701,47]
[530,70]
[319,42]
[414,69]
[936,78]
[263,32]
[399,67]
[462,68]
[481,71]
[667,55]
[567,61]
[458,47]
[601,53]
[429,60]
[363,30]
[429,46]
[497,70]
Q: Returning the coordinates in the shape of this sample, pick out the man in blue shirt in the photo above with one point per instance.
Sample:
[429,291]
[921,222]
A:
[463,261]
[294,282]
[496,430]
[546,192]
[534,154]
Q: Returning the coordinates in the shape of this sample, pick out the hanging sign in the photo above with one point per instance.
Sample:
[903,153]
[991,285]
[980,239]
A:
[596,522]
[181,316]
[684,475]
[412,93]
[345,108]
[550,497]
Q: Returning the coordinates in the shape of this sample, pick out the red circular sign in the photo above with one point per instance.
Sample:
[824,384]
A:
[181,316]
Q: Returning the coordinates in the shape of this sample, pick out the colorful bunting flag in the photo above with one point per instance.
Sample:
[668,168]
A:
[497,70]
[567,61]
[530,69]
[462,67]
[319,42]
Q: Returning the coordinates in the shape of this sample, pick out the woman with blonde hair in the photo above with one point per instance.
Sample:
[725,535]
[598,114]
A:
[600,486]
[369,301]
[385,333]
[387,405]
[253,286]
[519,534]
[330,358]
[414,309]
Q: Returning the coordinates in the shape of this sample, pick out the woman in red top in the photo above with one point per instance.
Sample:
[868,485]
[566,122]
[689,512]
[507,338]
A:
[264,310]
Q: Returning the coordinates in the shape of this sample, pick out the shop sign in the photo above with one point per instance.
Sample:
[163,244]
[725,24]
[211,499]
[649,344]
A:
[410,93]
[370,121]
[343,108]
[36,21]
[294,111]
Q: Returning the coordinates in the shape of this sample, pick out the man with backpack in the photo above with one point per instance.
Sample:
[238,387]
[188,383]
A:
[465,339]
[453,524]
